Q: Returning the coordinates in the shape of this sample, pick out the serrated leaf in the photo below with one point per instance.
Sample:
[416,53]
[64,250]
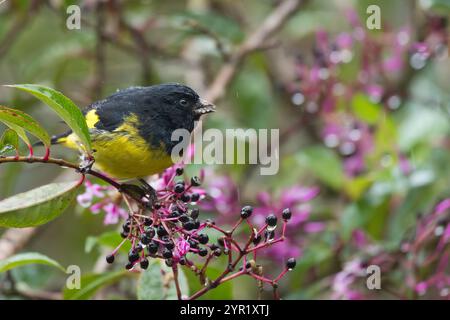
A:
[91,283]
[37,206]
[17,118]
[154,284]
[64,107]
[22,259]
[9,141]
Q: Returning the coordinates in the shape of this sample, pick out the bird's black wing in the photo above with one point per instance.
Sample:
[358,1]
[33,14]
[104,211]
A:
[112,110]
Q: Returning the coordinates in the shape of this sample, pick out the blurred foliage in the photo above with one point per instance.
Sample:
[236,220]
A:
[182,37]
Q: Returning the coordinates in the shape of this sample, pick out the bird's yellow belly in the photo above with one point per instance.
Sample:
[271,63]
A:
[124,158]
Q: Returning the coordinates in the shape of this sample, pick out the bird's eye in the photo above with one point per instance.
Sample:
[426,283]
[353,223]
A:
[183,102]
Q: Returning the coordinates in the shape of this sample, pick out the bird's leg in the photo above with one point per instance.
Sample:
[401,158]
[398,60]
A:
[86,164]
[132,190]
[150,191]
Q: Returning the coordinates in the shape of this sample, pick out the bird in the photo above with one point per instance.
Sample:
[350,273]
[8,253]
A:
[131,129]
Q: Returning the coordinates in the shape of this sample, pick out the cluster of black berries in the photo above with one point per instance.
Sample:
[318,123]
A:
[171,230]
[269,229]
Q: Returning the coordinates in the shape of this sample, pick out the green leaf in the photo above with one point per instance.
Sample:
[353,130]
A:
[20,132]
[37,206]
[9,141]
[22,259]
[109,239]
[324,164]
[91,283]
[156,283]
[20,119]
[64,107]
[365,109]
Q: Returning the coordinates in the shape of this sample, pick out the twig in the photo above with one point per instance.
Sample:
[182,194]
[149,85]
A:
[18,26]
[13,240]
[257,40]
[177,283]
[100,66]
[64,163]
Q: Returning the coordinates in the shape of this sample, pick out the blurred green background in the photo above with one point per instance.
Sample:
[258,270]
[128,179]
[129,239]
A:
[148,42]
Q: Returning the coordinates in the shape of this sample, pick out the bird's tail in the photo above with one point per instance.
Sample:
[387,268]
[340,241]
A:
[60,138]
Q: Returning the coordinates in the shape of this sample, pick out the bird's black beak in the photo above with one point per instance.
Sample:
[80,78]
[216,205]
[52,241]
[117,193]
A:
[203,107]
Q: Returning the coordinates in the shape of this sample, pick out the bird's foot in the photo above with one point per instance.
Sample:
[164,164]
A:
[132,190]
[149,191]
[86,165]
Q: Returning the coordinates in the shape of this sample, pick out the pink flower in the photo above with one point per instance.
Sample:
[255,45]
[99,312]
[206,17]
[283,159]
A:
[421,288]
[92,191]
[442,206]
[183,247]
[314,227]
[113,213]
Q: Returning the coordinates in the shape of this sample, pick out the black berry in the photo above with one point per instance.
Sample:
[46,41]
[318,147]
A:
[167,253]
[193,244]
[195,197]
[190,225]
[287,214]
[195,213]
[202,252]
[196,224]
[126,226]
[110,258]
[148,222]
[149,232]
[129,265]
[161,231]
[133,256]
[195,181]
[183,218]
[169,245]
[290,264]
[185,198]
[203,238]
[269,235]
[271,220]
[145,239]
[257,239]
[246,212]
[169,262]
[144,264]
[152,248]
[179,171]
[179,188]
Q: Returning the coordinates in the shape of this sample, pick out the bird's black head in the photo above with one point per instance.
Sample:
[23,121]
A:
[179,100]
[159,109]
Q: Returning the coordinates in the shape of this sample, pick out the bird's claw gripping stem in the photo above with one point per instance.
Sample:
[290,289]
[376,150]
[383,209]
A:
[86,165]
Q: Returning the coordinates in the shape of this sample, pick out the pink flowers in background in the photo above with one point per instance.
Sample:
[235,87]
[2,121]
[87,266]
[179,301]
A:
[425,258]
[342,284]
[435,226]
[296,198]
[351,138]
[100,198]
[223,197]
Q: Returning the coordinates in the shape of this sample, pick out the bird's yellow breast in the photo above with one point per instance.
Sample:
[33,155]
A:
[123,153]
